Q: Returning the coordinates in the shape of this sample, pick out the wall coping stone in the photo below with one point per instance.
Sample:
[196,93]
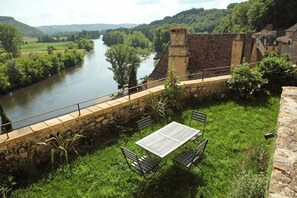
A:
[283,181]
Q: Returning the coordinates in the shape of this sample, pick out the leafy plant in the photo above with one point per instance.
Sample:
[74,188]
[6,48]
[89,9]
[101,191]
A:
[62,144]
[248,185]
[6,184]
[246,84]
[278,70]
[157,107]
[174,91]
[256,159]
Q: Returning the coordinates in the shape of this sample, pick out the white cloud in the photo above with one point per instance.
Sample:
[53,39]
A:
[55,12]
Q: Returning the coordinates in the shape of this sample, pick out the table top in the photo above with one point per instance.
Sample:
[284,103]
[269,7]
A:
[167,139]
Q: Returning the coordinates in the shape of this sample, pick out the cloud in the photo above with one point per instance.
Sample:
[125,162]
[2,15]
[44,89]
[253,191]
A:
[143,2]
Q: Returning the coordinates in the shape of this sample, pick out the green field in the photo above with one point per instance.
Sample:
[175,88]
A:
[31,47]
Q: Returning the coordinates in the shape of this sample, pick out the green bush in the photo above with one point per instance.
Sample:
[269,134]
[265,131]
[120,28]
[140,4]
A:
[248,185]
[174,91]
[278,70]
[246,84]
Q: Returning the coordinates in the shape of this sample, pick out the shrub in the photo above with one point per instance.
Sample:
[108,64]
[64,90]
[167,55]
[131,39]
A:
[256,159]
[174,92]
[278,70]
[248,185]
[6,184]
[246,84]
[157,107]
[62,144]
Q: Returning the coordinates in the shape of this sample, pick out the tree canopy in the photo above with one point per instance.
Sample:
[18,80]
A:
[10,40]
[122,59]
[254,15]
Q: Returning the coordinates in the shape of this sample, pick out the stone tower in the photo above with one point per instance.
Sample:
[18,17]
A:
[179,52]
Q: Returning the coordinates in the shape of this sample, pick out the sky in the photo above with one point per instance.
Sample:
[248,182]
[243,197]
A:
[65,12]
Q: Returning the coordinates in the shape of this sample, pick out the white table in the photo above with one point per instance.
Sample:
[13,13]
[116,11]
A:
[167,139]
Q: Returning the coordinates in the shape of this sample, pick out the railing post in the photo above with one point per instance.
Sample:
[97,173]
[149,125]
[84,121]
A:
[202,75]
[78,109]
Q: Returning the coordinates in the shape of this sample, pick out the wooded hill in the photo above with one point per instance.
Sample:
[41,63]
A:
[254,15]
[25,29]
[52,29]
[196,20]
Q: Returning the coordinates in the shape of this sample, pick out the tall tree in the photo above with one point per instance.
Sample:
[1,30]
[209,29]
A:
[4,120]
[122,58]
[10,40]
[132,80]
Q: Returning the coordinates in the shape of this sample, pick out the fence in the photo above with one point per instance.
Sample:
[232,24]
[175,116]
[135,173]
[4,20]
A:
[206,73]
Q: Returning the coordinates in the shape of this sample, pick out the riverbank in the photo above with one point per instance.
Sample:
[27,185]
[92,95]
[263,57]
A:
[88,80]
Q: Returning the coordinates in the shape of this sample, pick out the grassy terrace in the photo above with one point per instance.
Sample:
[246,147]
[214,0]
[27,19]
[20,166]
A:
[235,133]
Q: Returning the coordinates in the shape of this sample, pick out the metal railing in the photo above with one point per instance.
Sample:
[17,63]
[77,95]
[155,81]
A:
[23,122]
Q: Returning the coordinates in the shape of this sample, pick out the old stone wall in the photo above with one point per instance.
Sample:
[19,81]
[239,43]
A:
[20,145]
[283,182]
[210,51]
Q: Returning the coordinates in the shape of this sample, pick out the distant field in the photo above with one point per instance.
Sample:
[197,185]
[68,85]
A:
[30,39]
[31,47]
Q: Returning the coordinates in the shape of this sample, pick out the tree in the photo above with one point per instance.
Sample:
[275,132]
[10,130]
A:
[122,58]
[4,119]
[10,40]
[132,80]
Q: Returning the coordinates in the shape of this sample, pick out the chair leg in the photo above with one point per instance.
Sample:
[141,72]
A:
[131,176]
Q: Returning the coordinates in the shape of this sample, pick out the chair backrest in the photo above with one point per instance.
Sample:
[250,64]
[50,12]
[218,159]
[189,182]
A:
[198,116]
[199,151]
[144,122]
[132,157]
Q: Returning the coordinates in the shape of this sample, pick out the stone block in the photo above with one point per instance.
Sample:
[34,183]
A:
[105,107]
[96,110]
[20,134]
[40,128]
[54,124]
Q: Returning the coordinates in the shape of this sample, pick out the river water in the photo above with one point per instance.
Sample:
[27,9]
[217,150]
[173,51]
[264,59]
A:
[83,82]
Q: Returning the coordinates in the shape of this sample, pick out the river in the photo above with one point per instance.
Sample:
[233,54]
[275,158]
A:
[83,82]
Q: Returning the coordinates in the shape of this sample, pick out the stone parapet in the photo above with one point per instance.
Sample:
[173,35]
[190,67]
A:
[283,182]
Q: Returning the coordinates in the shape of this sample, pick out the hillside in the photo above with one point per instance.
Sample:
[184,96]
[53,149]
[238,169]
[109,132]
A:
[254,15]
[51,29]
[195,19]
[25,29]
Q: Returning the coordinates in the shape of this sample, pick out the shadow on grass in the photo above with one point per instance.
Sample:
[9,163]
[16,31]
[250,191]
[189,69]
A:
[175,182]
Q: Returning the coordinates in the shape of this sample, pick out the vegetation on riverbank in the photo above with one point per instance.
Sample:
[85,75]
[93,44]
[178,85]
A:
[23,71]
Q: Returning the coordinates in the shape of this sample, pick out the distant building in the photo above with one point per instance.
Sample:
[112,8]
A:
[266,41]
[288,43]
[194,54]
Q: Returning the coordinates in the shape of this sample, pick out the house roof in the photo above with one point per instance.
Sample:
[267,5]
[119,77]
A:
[268,27]
[292,28]
[285,39]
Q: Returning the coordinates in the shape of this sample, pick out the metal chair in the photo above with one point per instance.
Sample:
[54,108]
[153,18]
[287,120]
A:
[144,123]
[188,158]
[199,117]
[144,165]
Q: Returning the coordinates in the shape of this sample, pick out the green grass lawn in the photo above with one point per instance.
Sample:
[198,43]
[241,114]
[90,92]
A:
[31,47]
[232,130]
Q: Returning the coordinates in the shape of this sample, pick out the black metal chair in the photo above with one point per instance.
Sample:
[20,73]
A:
[199,117]
[144,165]
[188,158]
[144,123]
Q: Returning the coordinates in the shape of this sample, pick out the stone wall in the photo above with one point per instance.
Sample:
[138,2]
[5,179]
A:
[283,182]
[20,145]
